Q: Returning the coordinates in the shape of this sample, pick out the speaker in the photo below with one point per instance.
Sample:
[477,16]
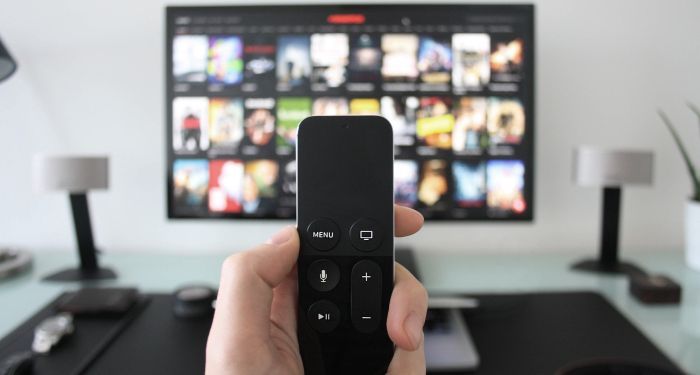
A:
[610,170]
[76,175]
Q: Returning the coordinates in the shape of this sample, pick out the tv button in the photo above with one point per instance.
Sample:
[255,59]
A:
[323,316]
[323,275]
[366,235]
[323,234]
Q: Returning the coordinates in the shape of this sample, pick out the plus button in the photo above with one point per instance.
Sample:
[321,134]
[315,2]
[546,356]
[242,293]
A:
[366,276]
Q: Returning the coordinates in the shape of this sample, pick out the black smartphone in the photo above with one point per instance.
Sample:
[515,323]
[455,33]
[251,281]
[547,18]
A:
[345,218]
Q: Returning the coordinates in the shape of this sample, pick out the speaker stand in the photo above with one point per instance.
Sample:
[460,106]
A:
[89,267]
[608,259]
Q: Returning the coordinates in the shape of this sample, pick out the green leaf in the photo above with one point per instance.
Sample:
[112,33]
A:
[695,110]
[684,153]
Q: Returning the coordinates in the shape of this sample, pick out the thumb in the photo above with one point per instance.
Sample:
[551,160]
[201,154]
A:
[245,294]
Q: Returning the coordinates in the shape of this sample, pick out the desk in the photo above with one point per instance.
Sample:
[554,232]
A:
[674,329]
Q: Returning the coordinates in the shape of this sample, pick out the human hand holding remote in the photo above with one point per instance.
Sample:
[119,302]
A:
[255,325]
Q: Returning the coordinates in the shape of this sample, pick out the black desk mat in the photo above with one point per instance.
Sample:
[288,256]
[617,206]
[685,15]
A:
[75,353]
[541,332]
[533,333]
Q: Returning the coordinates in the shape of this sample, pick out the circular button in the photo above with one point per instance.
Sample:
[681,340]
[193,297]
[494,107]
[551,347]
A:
[323,275]
[323,316]
[323,234]
[366,235]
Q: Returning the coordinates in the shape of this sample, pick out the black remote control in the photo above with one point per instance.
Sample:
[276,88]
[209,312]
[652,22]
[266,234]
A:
[345,218]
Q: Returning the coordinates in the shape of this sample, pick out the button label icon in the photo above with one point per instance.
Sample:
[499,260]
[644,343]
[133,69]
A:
[322,234]
[366,235]
[323,316]
[323,275]
[366,276]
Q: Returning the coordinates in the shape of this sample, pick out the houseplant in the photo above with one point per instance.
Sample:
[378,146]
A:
[692,210]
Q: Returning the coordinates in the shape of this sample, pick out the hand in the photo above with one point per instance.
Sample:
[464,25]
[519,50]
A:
[255,324]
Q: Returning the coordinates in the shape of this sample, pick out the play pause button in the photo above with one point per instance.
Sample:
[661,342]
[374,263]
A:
[323,316]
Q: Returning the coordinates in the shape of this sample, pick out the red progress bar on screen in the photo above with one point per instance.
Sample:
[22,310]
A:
[346,19]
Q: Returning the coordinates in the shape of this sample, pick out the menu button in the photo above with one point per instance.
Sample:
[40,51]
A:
[323,234]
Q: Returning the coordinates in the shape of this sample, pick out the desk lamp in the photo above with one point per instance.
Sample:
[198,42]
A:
[76,175]
[7,63]
[611,169]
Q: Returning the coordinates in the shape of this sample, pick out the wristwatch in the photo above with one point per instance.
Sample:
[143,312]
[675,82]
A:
[50,331]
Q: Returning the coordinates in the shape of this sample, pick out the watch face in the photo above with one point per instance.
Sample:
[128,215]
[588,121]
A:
[50,331]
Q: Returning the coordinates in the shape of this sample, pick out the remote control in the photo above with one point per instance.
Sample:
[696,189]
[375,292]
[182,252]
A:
[345,219]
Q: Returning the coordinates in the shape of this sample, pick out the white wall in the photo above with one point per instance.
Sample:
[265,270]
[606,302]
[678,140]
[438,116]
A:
[91,81]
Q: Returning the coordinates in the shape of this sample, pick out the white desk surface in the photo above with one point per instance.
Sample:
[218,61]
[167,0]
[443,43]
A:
[675,329]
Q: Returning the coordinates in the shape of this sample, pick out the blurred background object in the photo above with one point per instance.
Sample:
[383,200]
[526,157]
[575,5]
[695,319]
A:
[692,208]
[611,169]
[7,63]
[76,175]
[13,262]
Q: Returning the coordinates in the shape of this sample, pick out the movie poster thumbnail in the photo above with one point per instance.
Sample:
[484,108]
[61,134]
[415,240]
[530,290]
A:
[190,124]
[226,186]
[471,69]
[406,182]
[505,121]
[433,187]
[401,113]
[364,106]
[293,62]
[469,184]
[469,136]
[330,107]
[290,112]
[259,187]
[286,202]
[505,182]
[190,58]
[329,60]
[225,125]
[259,125]
[289,178]
[260,62]
[190,184]
[365,61]
[507,59]
[435,60]
[225,64]
[399,63]
[435,122]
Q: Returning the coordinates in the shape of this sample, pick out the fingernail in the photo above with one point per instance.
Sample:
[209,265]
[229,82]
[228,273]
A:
[280,237]
[413,325]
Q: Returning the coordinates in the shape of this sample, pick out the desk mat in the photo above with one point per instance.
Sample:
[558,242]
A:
[534,333]
[75,353]
[539,333]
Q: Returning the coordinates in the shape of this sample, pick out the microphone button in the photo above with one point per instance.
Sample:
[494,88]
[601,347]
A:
[323,275]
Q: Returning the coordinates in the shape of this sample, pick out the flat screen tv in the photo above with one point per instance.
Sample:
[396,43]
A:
[455,81]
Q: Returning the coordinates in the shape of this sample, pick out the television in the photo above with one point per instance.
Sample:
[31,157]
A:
[455,81]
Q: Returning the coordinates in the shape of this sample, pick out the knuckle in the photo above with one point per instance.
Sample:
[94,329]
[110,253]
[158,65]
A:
[235,263]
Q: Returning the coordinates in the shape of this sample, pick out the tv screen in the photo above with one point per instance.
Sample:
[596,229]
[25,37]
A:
[455,81]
